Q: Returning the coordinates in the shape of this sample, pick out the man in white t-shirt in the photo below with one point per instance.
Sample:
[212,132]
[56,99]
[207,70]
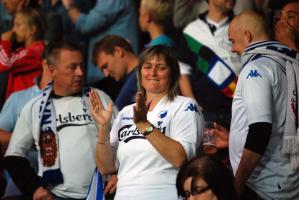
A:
[218,68]
[59,125]
[261,169]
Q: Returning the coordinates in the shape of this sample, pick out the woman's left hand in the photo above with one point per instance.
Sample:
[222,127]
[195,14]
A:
[140,109]
[101,115]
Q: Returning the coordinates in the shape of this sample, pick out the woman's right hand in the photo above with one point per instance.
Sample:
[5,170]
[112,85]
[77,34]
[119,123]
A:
[101,115]
[7,35]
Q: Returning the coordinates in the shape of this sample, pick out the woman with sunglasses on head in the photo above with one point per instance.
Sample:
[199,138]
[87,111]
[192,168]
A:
[149,140]
[205,178]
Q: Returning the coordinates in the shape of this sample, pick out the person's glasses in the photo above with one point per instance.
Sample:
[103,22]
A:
[195,191]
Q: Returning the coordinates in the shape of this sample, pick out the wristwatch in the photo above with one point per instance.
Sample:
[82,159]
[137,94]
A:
[148,130]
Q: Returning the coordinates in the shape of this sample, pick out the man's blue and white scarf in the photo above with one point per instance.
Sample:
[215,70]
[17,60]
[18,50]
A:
[289,63]
[48,139]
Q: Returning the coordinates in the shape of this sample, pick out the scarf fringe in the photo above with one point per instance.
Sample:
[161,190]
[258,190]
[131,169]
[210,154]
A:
[288,59]
[290,145]
[294,161]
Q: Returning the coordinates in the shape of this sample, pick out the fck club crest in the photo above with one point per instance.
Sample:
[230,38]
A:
[48,147]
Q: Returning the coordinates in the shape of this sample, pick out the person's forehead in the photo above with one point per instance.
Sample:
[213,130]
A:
[103,57]
[155,58]
[291,7]
[70,55]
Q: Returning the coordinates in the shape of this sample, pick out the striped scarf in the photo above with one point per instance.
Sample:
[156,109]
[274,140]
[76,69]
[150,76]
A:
[213,67]
[289,62]
[48,139]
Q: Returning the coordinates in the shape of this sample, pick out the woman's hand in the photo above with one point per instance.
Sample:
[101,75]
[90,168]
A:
[101,115]
[7,35]
[140,109]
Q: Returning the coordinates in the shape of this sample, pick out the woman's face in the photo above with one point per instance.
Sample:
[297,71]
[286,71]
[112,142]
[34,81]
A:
[155,75]
[199,191]
[21,28]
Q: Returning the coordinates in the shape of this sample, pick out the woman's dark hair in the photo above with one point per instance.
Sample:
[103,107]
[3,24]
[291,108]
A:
[217,175]
[170,60]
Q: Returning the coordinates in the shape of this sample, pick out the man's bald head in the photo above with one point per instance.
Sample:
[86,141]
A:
[246,28]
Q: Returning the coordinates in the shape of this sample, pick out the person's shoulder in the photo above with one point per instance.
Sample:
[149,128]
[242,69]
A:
[193,25]
[24,96]
[128,108]
[33,105]
[186,103]
[184,99]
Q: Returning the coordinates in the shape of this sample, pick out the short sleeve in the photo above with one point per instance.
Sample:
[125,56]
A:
[257,92]
[184,68]
[22,139]
[187,127]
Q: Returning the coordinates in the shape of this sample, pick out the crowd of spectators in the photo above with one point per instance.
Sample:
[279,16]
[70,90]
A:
[112,98]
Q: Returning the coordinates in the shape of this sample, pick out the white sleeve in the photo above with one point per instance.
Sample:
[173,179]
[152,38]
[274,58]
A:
[185,68]
[257,92]
[22,138]
[187,127]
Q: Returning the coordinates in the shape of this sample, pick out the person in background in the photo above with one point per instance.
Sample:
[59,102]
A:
[263,126]
[115,57]
[287,26]
[60,113]
[186,11]
[118,17]
[216,68]
[60,25]
[10,113]
[151,139]
[155,19]
[205,178]
[21,50]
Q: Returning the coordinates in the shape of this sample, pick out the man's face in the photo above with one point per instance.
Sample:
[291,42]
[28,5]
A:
[224,5]
[289,16]
[111,65]
[68,73]
[11,6]
[237,39]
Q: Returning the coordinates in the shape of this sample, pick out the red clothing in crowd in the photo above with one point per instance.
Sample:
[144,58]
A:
[22,65]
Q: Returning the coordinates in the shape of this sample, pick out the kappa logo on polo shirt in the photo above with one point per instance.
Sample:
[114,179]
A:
[192,107]
[73,120]
[253,74]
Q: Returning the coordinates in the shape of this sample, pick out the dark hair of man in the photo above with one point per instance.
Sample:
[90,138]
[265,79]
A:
[218,177]
[36,19]
[285,2]
[107,45]
[170,60]
[53,50]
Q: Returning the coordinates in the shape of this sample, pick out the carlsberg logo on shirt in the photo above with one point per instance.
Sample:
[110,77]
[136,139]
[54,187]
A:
[129,132]
[73,120]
